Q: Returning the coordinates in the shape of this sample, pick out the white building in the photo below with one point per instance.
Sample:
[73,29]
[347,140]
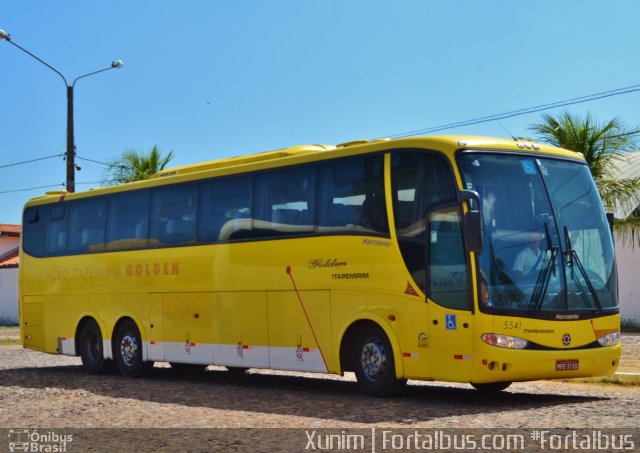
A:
[628,257]
[9,260]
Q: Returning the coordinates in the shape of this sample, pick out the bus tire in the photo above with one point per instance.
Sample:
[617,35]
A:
[128,350]
[91,349]
[373,363]
[491,387]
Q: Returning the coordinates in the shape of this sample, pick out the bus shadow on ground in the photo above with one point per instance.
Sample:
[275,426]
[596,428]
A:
[301,396]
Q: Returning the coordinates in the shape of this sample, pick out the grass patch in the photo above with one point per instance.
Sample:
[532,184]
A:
[630,325]
[9,336]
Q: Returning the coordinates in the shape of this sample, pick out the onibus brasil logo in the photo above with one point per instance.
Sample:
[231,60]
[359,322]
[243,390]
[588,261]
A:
[31,440]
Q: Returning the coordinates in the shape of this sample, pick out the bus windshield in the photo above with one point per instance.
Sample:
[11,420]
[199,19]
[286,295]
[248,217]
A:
[547,246]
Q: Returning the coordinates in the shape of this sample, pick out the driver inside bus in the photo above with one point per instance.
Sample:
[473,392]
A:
[529,258]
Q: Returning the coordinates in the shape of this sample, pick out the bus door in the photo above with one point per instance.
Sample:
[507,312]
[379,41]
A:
[450,316]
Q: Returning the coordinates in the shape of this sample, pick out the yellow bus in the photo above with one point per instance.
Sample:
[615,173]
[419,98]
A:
[464,259]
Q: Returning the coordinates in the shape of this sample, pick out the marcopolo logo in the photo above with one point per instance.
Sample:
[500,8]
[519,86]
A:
[36,441]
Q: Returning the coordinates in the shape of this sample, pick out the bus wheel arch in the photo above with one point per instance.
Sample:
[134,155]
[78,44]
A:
[89,344]
[128,348]
[369,351]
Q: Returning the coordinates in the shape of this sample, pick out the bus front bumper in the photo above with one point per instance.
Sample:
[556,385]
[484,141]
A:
[493,364]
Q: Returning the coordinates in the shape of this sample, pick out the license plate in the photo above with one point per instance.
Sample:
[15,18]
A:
[566,365]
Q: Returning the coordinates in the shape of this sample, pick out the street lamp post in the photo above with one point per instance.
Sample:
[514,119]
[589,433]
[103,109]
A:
[71,149]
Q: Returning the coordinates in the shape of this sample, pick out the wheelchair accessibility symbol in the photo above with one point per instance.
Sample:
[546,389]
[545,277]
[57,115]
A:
[450,322]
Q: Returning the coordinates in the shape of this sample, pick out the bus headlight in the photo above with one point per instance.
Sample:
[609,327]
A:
[504,341]
[610,340]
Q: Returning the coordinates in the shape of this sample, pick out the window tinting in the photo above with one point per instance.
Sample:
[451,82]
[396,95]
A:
[225,210]
[284,203]
[87,225]
[56,230]
[345,195]
[421,182]
[174,214]
[128,221]
[447,263]
[34,224]
[352,196]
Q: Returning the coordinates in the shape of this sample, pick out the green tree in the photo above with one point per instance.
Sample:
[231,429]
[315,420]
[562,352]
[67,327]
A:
[605,147]
[133,165]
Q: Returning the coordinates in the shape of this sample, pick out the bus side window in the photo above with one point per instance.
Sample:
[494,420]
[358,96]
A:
[352,196]
[57,230]
[225,210]
[34,225]
[87,225]
[284,203]
[173,214]
[128,220]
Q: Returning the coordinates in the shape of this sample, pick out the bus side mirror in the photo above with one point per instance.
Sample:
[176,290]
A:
[472,222]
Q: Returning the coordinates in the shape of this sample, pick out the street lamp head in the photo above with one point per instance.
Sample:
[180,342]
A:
[5,35]
[117,64]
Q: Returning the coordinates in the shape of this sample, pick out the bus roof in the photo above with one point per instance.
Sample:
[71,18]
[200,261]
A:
[241,160]
[303,153]
[454,142]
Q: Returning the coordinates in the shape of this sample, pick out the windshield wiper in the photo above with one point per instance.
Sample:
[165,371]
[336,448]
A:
[571,258]
[549,267]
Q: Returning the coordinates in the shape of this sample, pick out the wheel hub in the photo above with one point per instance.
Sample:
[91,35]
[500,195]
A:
[129,349]
[373,359]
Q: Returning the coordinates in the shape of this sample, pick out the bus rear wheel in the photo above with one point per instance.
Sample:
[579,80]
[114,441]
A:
[128,350]
[91,349]
[491,387]
[374,364]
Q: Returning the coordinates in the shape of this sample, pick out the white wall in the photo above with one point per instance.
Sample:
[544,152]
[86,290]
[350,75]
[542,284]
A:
[9,295]
[628,281]
[8,243]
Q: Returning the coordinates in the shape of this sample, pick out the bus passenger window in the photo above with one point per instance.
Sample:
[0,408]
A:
[87,225]
[57,231]
[128,221]
[284,204]
[225,210]
[352,196]
[173,214]
[34,223]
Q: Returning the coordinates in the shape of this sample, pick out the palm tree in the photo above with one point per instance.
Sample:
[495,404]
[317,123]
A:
[605,147]
[132,165]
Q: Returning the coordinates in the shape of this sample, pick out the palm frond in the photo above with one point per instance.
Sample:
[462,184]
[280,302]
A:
[133,165]
[628,231]
[603,146]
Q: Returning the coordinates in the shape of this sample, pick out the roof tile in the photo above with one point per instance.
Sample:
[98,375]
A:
[9,228]
[10,260]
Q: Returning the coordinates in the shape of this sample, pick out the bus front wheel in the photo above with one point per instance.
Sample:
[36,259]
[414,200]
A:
[91,351]
[374,364]
[128,350]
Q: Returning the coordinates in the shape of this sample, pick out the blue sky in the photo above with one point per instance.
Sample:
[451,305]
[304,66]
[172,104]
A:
[211,79]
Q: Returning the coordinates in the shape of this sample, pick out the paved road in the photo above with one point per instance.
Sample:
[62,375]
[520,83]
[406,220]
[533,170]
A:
[39,390]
